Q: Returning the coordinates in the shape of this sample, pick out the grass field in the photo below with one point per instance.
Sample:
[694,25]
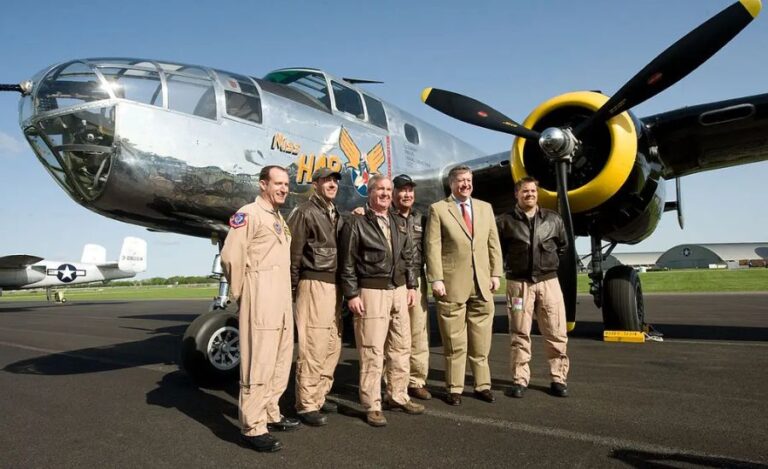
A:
[676,281]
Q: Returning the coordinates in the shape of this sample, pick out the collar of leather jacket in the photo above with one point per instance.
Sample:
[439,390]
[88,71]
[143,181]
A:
[522,216]
[320,203]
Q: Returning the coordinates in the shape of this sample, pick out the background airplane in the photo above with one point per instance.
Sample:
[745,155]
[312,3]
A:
[22,271]
[195,162]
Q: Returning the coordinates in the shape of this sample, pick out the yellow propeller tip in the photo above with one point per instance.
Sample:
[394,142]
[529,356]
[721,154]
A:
[425,94]
[752,6]
[570,326]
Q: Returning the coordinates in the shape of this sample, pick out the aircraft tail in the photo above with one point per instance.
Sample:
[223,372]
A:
[133,255]
[94,254]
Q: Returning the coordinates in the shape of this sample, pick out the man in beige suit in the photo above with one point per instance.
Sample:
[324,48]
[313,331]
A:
[464,265]
[256,261]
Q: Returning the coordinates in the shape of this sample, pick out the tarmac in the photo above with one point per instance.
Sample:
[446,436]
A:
[97,384]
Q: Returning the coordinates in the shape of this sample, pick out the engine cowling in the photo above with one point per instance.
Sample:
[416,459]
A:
[615,186]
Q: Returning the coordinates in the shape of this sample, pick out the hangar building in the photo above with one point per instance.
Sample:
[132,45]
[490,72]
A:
[704,256]
[693,256]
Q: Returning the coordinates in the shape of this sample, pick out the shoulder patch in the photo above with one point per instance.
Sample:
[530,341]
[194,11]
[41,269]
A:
[238,220]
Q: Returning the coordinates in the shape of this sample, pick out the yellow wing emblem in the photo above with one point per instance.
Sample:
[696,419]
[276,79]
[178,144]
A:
[349,148]
[375,158]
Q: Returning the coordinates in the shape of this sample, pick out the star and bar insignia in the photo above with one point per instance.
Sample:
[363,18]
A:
[238,220]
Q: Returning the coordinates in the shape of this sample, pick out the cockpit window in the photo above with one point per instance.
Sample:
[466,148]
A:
[241,96]
[243,106]
[310,83]
[347,100]
[138,85]
[72,83]
[191,95]
[376,114]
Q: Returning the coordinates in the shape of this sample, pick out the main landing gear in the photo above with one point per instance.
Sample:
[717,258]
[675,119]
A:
[619,293]
[55,296]
[210,350]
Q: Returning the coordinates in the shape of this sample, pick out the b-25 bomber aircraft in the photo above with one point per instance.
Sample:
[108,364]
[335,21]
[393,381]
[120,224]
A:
[23,271]
[178,148]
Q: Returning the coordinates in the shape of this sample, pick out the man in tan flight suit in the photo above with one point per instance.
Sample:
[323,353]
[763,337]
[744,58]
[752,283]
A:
[379,282]
[314,255]
[256,262]
[464,264]
[403,199]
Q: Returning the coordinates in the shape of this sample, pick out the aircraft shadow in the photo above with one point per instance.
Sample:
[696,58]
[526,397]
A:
[161,348]
[646,459]
[185,318]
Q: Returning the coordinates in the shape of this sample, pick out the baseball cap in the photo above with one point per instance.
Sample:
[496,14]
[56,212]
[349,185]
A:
[403,180]
[324,173]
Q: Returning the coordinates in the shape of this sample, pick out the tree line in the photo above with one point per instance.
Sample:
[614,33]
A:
[156,281]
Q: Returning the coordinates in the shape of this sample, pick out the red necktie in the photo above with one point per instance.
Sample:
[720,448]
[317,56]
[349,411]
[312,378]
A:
[467,220]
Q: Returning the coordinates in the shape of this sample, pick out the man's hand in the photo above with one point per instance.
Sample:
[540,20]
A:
[438,288]
[411,297]
[495,282]
[356,306]
[358,211]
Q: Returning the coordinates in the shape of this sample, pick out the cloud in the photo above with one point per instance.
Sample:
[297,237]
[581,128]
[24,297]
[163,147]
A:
[10,145]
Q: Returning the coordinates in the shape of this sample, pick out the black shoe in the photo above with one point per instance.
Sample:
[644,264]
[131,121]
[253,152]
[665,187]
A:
[265,443]
[329,407]
[485,395]
[453,398]
[516,390]
[558,389]
[286,424]
[314,418]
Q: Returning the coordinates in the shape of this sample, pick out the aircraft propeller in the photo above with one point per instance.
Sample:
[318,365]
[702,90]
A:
[560,144]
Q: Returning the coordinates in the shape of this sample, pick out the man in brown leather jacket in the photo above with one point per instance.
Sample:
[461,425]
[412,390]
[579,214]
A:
[379,282]
[313,227]
[533,239]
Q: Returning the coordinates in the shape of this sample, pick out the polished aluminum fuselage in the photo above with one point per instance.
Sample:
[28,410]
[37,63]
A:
[149,161]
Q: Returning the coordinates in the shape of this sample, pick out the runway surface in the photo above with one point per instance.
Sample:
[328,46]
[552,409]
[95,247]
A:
[97,384]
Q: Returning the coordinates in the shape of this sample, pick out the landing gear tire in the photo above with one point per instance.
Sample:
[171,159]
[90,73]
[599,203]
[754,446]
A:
[210,350]
[623,308]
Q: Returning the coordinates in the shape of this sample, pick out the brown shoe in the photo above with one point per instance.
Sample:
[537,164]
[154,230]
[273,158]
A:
[453,398]
[420,393]
[409,407]
[485,395]
[375,418]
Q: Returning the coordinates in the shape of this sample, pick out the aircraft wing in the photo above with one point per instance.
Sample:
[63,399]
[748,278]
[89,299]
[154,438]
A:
[18,261]
[710,136]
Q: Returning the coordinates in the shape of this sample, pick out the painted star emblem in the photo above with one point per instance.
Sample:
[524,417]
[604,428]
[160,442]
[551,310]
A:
[66,274]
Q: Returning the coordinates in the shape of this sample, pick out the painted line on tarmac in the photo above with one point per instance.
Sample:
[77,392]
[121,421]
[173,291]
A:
[746,343]
[609,441]
[108,361]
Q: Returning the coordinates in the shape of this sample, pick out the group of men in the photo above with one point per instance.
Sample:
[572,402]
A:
[375,259]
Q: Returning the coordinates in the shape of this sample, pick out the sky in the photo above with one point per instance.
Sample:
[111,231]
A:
[511,55]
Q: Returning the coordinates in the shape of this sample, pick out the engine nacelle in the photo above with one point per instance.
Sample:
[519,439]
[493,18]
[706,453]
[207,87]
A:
[615,187]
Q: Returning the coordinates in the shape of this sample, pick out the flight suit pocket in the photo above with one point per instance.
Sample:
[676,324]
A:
[372,330]
[263,345]
[266,303]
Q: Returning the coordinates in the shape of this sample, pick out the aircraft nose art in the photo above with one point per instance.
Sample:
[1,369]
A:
[69,122]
